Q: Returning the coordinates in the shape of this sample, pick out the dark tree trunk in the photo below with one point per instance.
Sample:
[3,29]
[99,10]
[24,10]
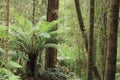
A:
[51,58]
[90,42]
[111,56]
[51,53]
[81,23]
[32,64]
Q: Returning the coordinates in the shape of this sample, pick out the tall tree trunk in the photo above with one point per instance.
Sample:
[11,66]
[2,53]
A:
[103,40]
[90,42]
[51,53]
[111,56]
[81,23]
[84,35]
[7,28]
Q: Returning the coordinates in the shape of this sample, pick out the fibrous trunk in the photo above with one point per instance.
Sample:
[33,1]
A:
[32,64]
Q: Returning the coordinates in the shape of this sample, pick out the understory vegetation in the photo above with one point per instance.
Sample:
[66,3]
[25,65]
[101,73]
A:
[24,42]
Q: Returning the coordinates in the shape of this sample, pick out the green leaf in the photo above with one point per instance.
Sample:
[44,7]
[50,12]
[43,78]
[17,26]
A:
[14,64]
[45,35]
[43,26]
[23,23]
[7,71]
[3,34]
[1,51]
[9,75]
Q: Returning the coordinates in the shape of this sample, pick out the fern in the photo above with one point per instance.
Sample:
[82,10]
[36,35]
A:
[6,74]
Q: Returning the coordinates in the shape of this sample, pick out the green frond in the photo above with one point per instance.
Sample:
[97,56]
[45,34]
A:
[3,33]
[24,24]
[43,26]
[31,40]
[45,35]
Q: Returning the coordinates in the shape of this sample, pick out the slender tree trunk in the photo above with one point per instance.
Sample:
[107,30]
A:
[51,53]
[82,28]
[104,35]
[95,69]
[90,42]
[33,15]
[81,23]
[111,56]
[7,28]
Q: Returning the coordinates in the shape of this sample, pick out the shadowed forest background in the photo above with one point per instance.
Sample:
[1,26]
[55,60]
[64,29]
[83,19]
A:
[59,40]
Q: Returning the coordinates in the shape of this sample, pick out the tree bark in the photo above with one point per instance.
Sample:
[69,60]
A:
[81,23]
[31,65]
[7,28]
[90,42]
[51,53]
[103,38]
[82,27]
[111,56]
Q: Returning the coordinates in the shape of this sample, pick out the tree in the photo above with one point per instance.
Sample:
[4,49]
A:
[32,41]
[84,35]
[103,36]
[90,41]
[111,56]
[33,13]
[81,23]
[51,53]
[7,28]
